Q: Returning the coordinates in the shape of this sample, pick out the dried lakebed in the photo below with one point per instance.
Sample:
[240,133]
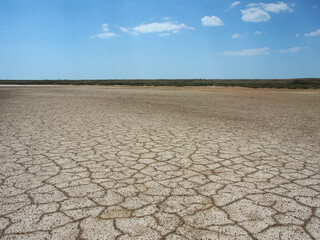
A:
[93,162]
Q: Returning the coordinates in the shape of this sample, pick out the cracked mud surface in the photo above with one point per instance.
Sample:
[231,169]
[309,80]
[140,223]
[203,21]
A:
[159,163]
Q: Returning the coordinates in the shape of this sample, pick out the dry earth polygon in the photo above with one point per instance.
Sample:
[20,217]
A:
[84,162]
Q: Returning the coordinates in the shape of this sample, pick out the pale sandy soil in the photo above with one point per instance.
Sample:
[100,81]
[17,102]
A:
[150,163]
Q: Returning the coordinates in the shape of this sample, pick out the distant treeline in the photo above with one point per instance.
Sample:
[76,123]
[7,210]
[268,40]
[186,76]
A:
[303,83]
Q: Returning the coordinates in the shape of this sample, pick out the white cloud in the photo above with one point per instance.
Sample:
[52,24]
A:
[166,18]
[297,35]
[160,27]
[236,35]
[255,15]
[257,33]
[293,50]
[211,21]
[163,28]
[124,29]
[259,12]
[248,52]
[164,34]
[313,34]
[106,34]
[105,27]
[271,7]
[233,5]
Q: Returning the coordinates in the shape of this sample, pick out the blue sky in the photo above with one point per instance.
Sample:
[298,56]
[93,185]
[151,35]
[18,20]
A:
[115,39]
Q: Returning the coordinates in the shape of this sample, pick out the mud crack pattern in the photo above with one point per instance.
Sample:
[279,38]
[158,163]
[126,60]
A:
[159,163]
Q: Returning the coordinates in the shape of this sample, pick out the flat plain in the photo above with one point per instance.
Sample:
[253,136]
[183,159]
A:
[97,162]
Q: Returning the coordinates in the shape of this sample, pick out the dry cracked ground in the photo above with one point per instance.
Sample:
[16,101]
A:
[159,163]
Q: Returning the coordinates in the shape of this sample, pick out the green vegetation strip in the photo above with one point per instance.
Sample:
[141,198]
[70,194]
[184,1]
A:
[308,83]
